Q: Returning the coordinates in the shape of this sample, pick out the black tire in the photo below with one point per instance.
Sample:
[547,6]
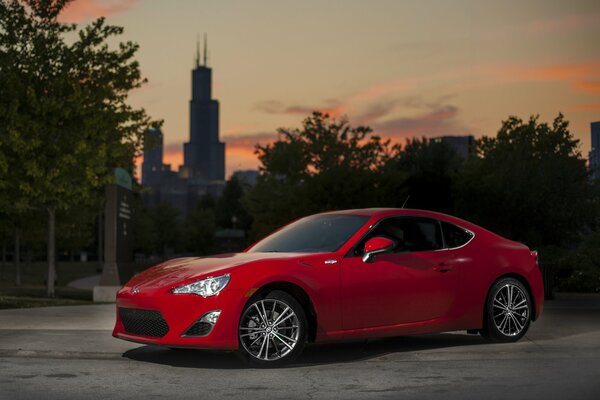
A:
[508,311]
[280,354]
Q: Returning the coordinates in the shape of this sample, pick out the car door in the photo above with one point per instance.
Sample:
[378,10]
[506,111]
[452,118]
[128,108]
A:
[415,282]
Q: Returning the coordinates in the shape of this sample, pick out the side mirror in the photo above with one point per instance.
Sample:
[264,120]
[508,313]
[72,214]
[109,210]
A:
[377,245]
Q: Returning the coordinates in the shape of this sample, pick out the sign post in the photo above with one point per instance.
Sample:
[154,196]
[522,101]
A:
[118,237]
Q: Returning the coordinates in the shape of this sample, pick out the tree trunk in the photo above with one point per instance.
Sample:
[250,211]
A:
[17,257]
[100,242]
[51,252]
[28,259]
[3,259]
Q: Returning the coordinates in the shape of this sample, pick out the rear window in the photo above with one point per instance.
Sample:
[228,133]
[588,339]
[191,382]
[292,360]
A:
[455,236]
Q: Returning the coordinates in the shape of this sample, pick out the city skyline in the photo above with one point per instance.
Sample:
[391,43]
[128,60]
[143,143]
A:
[404,68]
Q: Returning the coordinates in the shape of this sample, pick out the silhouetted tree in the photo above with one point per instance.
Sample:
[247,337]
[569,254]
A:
[230,207]
[145,231]
[200,227]
[168,225]
[325,165]
[583,267]
[529,183]
[431,168]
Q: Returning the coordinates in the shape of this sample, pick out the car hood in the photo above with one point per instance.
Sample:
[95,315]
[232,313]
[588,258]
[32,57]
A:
[181,270]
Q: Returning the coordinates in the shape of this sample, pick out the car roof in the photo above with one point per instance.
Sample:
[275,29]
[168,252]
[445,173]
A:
[389,212]
[377,212]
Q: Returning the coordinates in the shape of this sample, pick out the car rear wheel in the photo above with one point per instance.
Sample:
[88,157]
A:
[272,330]
[508,311]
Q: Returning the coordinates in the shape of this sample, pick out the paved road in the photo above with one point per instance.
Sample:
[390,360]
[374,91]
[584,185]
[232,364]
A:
[68,353]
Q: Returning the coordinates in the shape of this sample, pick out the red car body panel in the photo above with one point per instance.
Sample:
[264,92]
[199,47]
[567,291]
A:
[398,294]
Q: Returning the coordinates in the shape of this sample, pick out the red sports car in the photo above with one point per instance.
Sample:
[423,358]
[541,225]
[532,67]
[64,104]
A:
[338,276]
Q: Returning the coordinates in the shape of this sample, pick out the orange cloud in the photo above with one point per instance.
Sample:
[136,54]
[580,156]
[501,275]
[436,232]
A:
[544,73]
[248,142]
[583,77]
[237,129]
[337,107]
[276,107]
[377,90]
[441,120]
[564,23]
[85,10]
[587,86]
[590,107]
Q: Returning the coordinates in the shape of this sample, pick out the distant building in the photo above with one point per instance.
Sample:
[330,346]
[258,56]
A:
[595,151]
[247,177]
[463,145]
[203,169]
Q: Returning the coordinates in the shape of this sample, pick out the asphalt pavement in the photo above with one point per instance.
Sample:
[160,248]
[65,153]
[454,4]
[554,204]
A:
[69,353]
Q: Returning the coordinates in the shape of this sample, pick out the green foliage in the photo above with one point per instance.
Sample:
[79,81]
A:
[325,165]
[158,230]
[75,228]
[64,117]
[529,183]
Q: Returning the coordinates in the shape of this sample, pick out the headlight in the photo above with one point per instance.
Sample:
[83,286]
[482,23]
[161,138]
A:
[205,288]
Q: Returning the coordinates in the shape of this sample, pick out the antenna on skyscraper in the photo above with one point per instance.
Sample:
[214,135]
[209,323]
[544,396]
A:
[205,50]
[197,50]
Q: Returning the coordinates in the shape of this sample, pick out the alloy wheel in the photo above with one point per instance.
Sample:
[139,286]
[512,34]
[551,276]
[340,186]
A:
[510,310]
[269,329]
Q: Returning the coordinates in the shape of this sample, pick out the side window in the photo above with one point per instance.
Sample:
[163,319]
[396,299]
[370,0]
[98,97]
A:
[455,236]
[410,234]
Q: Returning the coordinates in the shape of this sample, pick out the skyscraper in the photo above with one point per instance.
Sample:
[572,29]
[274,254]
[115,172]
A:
[204,154]
[203,169]
[595,151]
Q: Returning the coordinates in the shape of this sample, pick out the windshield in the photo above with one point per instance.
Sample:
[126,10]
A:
[315,234]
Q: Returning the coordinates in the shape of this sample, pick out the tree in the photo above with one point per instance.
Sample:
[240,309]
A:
[529,183]
[325,165]
[76,228]
[64,114]
[145,232]
[200,227]
[583,270]
[168,224]
[230,208]
[431,168]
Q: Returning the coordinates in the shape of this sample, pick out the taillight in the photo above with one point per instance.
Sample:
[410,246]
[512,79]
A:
[534,254]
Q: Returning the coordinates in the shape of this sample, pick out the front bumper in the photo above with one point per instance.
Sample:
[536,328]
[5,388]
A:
[180,312]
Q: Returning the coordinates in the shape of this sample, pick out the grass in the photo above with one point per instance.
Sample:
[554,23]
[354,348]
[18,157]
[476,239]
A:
[32,292]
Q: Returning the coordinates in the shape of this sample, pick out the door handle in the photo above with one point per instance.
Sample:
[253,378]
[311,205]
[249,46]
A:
[442,267]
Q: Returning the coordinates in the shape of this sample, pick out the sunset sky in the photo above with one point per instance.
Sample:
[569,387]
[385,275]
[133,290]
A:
[405,68]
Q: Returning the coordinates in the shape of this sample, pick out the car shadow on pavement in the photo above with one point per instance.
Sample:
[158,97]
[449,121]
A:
[318,354]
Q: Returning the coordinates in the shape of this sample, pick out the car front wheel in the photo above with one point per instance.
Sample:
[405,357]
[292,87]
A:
[272,330]
[508,311]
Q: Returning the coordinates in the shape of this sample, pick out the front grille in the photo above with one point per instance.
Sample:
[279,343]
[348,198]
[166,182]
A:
[199,329]
[143,322]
